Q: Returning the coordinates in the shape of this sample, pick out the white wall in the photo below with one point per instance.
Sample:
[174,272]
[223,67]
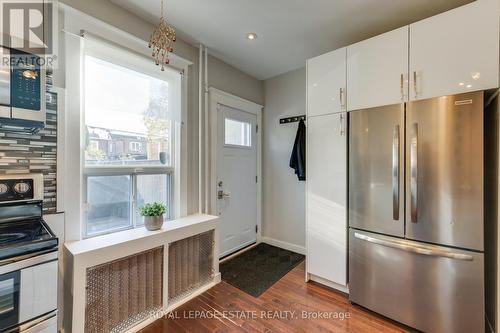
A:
[283,194]
[221,76]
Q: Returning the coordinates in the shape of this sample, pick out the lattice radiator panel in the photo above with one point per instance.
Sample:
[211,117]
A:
[190,265]
[124,292]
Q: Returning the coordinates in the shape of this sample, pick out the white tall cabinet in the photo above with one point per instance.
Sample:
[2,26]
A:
[377,70]
[456,51]
[326,197]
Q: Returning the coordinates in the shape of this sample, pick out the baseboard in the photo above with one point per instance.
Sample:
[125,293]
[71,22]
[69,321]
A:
[284,245]
[329,284]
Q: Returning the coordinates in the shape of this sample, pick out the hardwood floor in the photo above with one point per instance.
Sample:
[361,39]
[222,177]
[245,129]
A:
[282,308]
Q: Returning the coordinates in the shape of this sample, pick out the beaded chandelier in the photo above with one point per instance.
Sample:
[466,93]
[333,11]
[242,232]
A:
[161,41]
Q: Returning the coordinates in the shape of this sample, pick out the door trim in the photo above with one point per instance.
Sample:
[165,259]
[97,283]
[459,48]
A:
[218,97]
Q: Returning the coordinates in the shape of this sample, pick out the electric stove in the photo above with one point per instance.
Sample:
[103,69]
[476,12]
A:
[22,228]
[28,258]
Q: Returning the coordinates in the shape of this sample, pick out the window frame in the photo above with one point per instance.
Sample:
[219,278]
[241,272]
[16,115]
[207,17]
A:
[133,170]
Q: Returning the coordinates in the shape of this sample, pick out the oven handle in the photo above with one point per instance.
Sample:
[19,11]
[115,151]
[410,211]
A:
[37,324]
[27,260]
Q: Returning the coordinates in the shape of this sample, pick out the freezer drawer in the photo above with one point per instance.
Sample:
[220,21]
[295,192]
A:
[431,288]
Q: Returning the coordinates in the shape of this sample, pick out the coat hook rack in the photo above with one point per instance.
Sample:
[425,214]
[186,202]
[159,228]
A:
[292,119]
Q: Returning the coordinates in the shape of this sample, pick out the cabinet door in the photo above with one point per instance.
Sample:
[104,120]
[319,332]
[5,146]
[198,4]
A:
[326,197]
[326,83]
[377,70]
[456,51]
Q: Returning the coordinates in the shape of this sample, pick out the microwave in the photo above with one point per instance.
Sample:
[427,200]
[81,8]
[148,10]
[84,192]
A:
[22,91]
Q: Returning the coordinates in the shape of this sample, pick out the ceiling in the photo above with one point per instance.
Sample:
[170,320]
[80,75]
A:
[289,31]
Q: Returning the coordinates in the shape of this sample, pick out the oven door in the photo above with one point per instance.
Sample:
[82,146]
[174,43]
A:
[9,299]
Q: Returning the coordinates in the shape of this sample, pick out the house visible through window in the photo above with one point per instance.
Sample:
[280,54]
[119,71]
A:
[129,124]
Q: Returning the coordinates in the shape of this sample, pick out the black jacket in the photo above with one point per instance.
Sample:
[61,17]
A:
[298,158]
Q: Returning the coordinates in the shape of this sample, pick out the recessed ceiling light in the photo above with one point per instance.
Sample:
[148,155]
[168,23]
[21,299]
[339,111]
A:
[251,35]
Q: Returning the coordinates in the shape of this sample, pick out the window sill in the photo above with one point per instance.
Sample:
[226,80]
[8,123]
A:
[182,227]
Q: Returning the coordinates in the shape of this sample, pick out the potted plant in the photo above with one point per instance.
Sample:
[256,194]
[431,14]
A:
[153,215]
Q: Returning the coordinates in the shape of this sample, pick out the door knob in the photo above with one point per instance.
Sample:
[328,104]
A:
[223,194]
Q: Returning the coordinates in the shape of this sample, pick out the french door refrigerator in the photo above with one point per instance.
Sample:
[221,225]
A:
[416,194]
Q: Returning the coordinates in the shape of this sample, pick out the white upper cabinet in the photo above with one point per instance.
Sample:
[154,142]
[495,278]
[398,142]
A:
[377,70]
[326,83]
[456,51]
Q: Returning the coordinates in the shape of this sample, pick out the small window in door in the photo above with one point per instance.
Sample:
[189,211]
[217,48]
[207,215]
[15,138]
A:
[237,133]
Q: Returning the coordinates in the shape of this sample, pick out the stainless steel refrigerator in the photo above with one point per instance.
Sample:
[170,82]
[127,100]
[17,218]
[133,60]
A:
[416,212]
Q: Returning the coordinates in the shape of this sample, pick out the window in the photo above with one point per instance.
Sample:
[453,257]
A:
[237,133]
[113,201]
[152,188]
[131,113]
[126,106]
[135,146]
[109,201]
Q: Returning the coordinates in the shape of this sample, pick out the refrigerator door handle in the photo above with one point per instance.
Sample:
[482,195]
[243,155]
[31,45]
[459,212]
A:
[415,88]
[414,173]
[342,124]
[410,247]
[401,86]
[395,173]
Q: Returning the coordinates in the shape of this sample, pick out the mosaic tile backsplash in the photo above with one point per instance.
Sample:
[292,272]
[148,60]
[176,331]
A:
[25,153]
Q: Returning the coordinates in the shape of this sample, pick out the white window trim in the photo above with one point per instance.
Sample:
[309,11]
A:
[73,152]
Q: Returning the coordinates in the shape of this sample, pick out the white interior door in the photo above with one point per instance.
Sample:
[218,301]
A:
[236,178]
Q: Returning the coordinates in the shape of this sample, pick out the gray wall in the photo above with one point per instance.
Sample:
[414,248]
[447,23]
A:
[220,75]
[283,194]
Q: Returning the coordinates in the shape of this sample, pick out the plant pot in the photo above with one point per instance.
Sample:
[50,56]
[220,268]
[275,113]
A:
[163,157]
[153,222]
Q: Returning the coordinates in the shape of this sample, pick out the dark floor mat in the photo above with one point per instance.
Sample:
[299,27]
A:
[257,269]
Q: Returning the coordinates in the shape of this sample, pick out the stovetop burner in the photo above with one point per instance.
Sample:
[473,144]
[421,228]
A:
[7,238]
[23,230]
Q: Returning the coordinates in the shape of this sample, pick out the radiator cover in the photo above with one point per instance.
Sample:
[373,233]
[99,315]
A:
[190,265]
[124,292]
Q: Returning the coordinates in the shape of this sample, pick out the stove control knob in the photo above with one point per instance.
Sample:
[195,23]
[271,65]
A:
[21,188]
[3,188]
